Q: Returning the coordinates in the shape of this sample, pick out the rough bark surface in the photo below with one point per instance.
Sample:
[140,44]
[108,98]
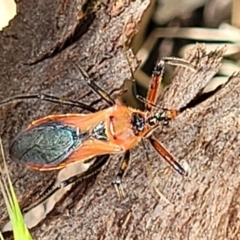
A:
[205,138]
[35,52]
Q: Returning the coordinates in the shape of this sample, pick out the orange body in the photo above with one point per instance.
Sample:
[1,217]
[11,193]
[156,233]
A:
[55,141]
[117,125]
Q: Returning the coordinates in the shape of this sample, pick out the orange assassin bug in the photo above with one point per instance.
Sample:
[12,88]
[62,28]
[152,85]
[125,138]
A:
[55,141]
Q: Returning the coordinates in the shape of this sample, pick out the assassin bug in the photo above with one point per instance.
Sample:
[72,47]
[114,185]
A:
[55,141]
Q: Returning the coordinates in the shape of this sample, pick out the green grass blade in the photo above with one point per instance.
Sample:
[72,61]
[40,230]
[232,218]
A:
[20,231]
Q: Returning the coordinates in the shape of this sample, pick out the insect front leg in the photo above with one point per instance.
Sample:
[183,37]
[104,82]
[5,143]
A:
[122,169]
[167,156]
[157,76]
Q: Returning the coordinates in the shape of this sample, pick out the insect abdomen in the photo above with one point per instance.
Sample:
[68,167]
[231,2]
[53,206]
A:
[49,143]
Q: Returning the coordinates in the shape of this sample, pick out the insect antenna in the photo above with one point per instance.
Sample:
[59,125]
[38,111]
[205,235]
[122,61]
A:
[144,100]
[172,113]
[174,61]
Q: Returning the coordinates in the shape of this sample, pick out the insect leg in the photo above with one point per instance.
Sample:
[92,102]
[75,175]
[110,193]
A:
[163,152]
[48,98]
[157,76]
[122,169]
[95,87]
[93,170]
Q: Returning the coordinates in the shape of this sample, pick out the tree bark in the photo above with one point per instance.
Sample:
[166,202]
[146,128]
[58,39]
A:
[35,49]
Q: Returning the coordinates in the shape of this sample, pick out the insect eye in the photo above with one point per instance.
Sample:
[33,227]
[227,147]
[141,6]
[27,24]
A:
[161,116]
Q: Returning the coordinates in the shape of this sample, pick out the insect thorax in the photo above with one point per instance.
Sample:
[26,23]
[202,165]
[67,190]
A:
[138,123]
[99,132]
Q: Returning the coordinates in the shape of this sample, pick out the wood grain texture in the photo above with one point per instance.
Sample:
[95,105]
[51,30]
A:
[205,138]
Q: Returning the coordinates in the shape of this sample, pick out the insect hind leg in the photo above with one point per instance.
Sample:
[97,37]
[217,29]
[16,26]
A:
[157,76]
[47,98]
[92,171]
